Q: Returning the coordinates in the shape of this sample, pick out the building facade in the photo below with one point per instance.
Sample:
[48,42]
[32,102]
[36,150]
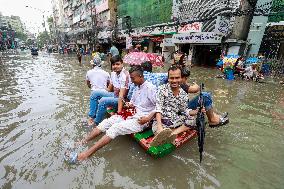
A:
[10,26]
[203,29]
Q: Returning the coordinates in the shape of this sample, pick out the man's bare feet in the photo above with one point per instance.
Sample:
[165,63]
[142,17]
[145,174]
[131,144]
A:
[82,156]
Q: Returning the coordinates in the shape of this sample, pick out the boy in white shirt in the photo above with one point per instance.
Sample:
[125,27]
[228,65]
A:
[144,102]
[97,78]
[113,95]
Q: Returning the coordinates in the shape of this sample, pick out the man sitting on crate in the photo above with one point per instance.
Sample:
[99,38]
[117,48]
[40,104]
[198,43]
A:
[172,115]
[143,101]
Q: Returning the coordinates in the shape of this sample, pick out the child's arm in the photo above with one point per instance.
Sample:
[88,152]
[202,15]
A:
[191,112]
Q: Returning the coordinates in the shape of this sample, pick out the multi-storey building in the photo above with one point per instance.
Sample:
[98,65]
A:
[105,19]
[57,29]
[4,22]
[90,21]
[8,26]
[204,29]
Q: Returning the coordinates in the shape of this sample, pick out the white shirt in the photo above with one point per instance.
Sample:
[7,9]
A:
[249,71]
[98,78]
[144,99]
[119,81]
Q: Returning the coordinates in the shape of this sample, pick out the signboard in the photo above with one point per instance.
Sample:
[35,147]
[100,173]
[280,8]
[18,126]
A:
[169,29]
[200,37]
[157,31]
[222,25]
[189,28]
[168,42]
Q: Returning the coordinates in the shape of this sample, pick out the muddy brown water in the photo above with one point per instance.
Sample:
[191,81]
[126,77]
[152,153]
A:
[44,99]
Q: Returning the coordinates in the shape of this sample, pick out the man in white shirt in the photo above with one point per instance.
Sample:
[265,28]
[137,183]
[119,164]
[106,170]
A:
[97,78]
[113,96]
[144,101]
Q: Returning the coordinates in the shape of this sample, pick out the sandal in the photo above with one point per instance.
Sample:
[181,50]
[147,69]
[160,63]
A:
[225,114]
[71,157]
[224,119]
[171,139]
[162,137]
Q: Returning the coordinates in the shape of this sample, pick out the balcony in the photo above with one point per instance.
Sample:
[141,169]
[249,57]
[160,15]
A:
[66,5]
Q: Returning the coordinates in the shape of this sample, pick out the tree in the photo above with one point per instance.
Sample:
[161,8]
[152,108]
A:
[50,22]
[43,38]
[20,35]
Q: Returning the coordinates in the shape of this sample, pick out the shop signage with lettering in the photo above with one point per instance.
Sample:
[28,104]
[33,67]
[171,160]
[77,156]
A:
[168,42]
[222,26]
[200,37]
[189,28]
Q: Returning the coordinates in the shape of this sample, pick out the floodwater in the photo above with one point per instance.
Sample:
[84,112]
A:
[44,99]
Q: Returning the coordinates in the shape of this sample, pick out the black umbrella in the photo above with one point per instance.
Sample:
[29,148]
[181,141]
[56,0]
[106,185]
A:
[200,123]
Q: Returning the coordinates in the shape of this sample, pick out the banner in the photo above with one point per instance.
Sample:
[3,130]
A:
[189,28]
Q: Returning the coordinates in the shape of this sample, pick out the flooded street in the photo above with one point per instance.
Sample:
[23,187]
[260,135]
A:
[44,99]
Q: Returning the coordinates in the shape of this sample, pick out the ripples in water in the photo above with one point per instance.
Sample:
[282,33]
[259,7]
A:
[43,100]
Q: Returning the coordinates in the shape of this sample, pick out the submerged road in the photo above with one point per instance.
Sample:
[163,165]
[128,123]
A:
[44,99]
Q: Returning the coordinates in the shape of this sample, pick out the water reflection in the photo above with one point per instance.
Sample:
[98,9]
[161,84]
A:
[43,100]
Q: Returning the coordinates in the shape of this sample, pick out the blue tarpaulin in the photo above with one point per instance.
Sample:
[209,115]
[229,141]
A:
[251,60]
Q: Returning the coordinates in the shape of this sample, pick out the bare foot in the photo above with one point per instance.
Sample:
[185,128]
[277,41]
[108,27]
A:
[82,156]
[91,121]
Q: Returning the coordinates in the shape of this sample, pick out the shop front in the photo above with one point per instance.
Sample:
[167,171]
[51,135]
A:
[202,48]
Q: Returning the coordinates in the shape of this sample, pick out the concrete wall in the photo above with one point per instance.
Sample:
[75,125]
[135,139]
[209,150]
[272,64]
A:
[234,50]
[242,24]
[257,29]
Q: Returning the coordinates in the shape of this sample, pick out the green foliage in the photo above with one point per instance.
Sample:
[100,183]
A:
[22,36]
[29,42]
[50,21]
[43,38]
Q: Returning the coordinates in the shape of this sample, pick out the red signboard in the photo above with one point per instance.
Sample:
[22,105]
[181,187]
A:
[188,28]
